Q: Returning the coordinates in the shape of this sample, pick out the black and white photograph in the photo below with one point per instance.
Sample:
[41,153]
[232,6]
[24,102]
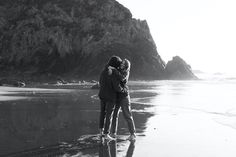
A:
[117,78]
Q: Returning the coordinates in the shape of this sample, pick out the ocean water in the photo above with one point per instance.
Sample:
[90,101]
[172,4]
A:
[190,118]
[213,97]
[173,118]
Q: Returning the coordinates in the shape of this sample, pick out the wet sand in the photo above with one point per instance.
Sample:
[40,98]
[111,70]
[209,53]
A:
[166,125]
[55,121]
[187,134]
[15,93]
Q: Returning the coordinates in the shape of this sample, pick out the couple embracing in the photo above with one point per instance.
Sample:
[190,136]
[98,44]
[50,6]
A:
[114,95]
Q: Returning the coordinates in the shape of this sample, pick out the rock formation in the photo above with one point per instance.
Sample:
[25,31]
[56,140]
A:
[178,69]
[73,39]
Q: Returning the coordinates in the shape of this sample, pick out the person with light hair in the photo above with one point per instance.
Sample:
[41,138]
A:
[123,101]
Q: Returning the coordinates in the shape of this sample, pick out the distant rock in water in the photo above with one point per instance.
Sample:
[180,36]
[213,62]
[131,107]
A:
[74,39]
[178,69]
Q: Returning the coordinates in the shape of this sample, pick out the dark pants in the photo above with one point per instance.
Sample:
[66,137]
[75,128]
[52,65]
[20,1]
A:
[125,106]
[102,114]
[106,111]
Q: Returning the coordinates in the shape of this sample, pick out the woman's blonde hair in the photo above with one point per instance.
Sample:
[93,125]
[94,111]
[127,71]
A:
[127,64]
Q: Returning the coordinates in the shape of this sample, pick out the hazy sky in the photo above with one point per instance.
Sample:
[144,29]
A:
[202,32]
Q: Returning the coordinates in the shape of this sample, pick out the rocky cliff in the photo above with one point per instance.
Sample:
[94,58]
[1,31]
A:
[73,38]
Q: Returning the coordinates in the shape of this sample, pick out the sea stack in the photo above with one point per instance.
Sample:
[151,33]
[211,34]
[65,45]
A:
[178,69]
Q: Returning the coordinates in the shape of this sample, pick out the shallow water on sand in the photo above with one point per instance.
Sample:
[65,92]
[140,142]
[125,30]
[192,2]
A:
[173,118]
[32,118]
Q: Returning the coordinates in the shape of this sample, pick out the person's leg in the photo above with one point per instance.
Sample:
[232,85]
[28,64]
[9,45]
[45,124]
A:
[115,118]
[109,111]
[102,116]
[126,110]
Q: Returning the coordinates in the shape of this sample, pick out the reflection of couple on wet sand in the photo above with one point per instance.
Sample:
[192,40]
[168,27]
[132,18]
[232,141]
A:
[109,149]
[114,95]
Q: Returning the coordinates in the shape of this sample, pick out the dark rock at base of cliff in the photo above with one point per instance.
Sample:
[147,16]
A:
[178,69]
[95,86]
[11,82]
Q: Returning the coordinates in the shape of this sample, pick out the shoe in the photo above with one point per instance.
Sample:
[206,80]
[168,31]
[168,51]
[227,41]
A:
[101,132]
[132,137]
[108,137]
[113,135]
[102,140]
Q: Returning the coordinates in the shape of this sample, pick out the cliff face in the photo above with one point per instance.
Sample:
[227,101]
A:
[74,38]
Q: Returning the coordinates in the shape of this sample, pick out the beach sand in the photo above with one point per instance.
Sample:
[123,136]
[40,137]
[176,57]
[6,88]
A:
[162,130]
[186,134]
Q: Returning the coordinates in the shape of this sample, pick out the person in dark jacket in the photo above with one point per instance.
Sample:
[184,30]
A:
[109,87]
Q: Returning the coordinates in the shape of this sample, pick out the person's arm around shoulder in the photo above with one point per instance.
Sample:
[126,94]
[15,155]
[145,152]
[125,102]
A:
[116,85]
[117,73]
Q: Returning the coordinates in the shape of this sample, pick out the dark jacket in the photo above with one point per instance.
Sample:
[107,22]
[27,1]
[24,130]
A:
[123,80]
[124,85]
[109,86]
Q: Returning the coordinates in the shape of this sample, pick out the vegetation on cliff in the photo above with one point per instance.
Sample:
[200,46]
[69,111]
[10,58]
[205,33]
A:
[73,38]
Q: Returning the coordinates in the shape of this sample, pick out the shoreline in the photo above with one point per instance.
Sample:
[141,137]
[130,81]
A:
[172,119]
